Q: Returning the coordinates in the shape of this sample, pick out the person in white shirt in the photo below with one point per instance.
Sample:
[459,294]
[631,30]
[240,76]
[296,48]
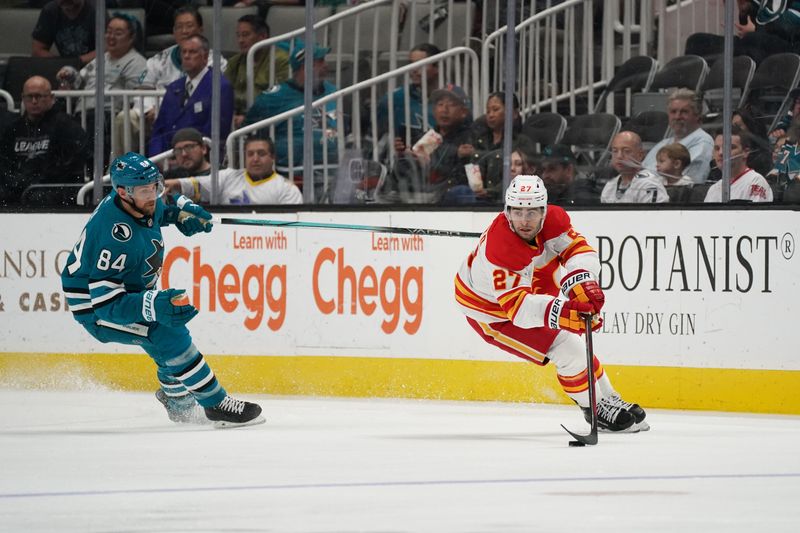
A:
[685,111]
[634,184]
[746,183]
[257,183]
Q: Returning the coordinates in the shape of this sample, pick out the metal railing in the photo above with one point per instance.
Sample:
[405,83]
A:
[9,100]
[467,76]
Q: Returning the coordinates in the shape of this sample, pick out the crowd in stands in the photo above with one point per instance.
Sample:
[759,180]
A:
[436,153]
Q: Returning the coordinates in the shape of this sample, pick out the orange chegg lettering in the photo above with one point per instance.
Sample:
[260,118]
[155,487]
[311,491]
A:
[252,288]
[394,290]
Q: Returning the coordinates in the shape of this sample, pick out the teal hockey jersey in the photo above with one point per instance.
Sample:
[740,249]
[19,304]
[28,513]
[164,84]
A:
[116,260]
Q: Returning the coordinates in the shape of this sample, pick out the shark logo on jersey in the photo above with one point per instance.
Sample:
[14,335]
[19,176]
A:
[121,232]
[154,262]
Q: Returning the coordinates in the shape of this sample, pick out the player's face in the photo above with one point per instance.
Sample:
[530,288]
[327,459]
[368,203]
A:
[526,221]
[144,197]
[259,162]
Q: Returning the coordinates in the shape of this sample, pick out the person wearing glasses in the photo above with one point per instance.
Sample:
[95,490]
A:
[191,155]
[42,146]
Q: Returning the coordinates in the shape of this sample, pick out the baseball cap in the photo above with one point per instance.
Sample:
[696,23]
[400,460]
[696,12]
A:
[560,153]
[187,134]
[299,54]
[450,91]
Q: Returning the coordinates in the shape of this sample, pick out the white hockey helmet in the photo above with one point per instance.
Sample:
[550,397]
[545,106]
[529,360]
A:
[526,191]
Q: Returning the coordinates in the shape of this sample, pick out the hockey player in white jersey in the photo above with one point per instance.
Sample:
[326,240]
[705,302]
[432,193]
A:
[110,281]
[510,292]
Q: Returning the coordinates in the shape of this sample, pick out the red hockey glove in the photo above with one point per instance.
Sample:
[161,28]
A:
[568,315]
[580,285]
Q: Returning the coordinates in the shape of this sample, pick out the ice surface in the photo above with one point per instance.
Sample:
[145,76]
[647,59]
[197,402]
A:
[101,460]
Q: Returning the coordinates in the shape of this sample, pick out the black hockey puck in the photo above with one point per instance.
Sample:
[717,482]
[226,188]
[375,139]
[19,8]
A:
[576,443]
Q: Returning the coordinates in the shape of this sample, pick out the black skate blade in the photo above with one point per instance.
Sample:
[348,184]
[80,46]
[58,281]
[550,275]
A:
[224,424]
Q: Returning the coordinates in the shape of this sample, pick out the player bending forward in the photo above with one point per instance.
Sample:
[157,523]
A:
[507,288]
[110,283]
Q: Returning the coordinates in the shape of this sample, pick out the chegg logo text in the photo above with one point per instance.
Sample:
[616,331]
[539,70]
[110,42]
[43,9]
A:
[229,287]
[395,290]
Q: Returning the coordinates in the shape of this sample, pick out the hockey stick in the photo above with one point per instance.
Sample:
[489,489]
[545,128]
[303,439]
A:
[591,438]
[354,227]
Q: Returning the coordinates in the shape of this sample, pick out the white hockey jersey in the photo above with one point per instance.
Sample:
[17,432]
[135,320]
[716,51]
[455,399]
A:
[646,188]
[506,278]
[749,185]
[238,188]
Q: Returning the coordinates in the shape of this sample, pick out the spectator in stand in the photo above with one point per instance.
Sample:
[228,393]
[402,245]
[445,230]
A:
[634,184]
[763,28]
[673,160]
[786,173]
[684,110]
[251,29]
[257,184]
[794,111]
[166,66]
[564,186]
[520,162]
[747,185]
[289,95]
[43,146]
[488,134]
[437,161]
[191,155]
[415,126]
[187,102]
[760,158]
[124,66]
[69,24]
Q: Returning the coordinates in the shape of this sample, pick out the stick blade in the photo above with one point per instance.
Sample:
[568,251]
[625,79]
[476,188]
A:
[590,439]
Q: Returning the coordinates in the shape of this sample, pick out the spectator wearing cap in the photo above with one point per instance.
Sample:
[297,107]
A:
[187,101]
[256,184]
[250,29]
[634,184]
[564,186]
[435,165]
[191,155]
[289,95]
[423,81]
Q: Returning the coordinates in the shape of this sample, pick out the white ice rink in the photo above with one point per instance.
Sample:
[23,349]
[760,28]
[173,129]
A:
[111,461]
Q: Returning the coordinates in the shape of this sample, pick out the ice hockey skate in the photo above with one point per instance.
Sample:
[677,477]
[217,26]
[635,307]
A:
[617,416]
[231,412]
[183,410]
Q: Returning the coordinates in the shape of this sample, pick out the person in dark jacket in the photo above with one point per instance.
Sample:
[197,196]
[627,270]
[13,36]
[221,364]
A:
[42,146]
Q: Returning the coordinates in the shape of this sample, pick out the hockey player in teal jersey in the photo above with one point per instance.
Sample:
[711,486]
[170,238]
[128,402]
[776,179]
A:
[110,282]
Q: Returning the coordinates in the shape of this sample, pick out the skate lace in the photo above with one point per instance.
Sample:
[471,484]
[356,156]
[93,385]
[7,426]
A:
[231,405]
[625,405]
[609,408]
